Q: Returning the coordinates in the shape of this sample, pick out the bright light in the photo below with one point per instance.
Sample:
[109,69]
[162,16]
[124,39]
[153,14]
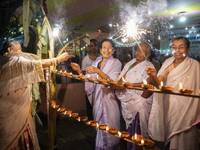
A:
[55,31]
[159,37]
[124,40]
[110,25]
[186,28]
[172,12]
[182,19]
[171,26]
[131,28]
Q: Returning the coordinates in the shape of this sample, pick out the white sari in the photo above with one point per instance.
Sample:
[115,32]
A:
[17,72]
[172,114]
[131,100]
[105,105]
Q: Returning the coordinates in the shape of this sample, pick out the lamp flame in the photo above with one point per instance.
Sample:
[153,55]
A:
[161,83]
[142,142]
[180,85]
[120,134]
[123,79]
[144,81]
[135,136]
[107,128]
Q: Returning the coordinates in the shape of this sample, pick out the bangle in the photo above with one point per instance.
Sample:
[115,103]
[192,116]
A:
[54,61]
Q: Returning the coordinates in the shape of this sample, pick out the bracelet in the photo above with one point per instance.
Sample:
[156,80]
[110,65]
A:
[54,61]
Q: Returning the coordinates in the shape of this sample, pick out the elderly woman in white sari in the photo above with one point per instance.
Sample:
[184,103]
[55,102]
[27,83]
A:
[18,71]
[105,105]
[173,119]
[136,105]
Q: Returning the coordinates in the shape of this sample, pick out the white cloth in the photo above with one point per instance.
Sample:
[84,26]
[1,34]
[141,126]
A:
[172,114]
[104,103]
[131,100]
[17,70]
[86,62]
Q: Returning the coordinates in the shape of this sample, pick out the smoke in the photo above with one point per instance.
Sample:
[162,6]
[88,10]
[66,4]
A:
[141,11]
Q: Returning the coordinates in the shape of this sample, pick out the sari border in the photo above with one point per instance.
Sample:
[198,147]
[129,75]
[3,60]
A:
[30,109]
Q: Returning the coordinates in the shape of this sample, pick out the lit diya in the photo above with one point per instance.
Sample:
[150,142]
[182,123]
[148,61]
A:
[61,109]
[54,71]
[60,72]
[67,112]
[147,86]
[184,91]
[82,77]
[148,143]
[102,126]
[165,88]
[137,138]
[111,130]
[100,80]
[124,134]
[84,118]
[91,79]
[64,73]
[55,106]
[93,123]
[74,115]
[112,82]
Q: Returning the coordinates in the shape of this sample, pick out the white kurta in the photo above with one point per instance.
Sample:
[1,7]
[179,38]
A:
[131,100]
[86,62]
[105,105]
[173,114]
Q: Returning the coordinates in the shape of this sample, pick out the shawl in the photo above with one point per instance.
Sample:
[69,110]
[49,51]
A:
[172,114]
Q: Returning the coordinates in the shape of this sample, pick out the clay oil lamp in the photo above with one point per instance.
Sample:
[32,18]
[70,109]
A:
[165,88]
[137,138]
[147,86]
[102,126]
[111,130]
[184,91]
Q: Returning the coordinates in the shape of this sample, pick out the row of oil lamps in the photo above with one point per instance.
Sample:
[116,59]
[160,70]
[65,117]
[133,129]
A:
[162,87]
[136,139]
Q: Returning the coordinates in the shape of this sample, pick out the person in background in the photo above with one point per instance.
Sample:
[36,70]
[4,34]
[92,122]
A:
[173,118]
[92,56]
[104,103]
[87,61]
[153,61]
[136,105]
[126,59]
[18,71]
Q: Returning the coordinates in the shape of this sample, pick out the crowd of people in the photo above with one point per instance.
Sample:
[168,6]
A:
[167,118]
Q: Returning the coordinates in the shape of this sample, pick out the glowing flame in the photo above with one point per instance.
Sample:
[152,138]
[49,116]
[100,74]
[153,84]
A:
[58,109]
[107,128]
[70,115]
[180,85]
[120,134]
[142,142]
[54,106]
[123,79]
[144,81]
[97,125]
[70,73]
[135,136]
[161,83]
[65,71]
[64,113]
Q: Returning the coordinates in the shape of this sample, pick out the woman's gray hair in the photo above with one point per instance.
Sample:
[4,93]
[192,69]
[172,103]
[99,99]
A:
[6,45]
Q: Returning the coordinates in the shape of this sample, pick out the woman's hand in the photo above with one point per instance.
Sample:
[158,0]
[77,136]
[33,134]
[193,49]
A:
[63,57]
[151,71]
[92,69]
[76,67]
